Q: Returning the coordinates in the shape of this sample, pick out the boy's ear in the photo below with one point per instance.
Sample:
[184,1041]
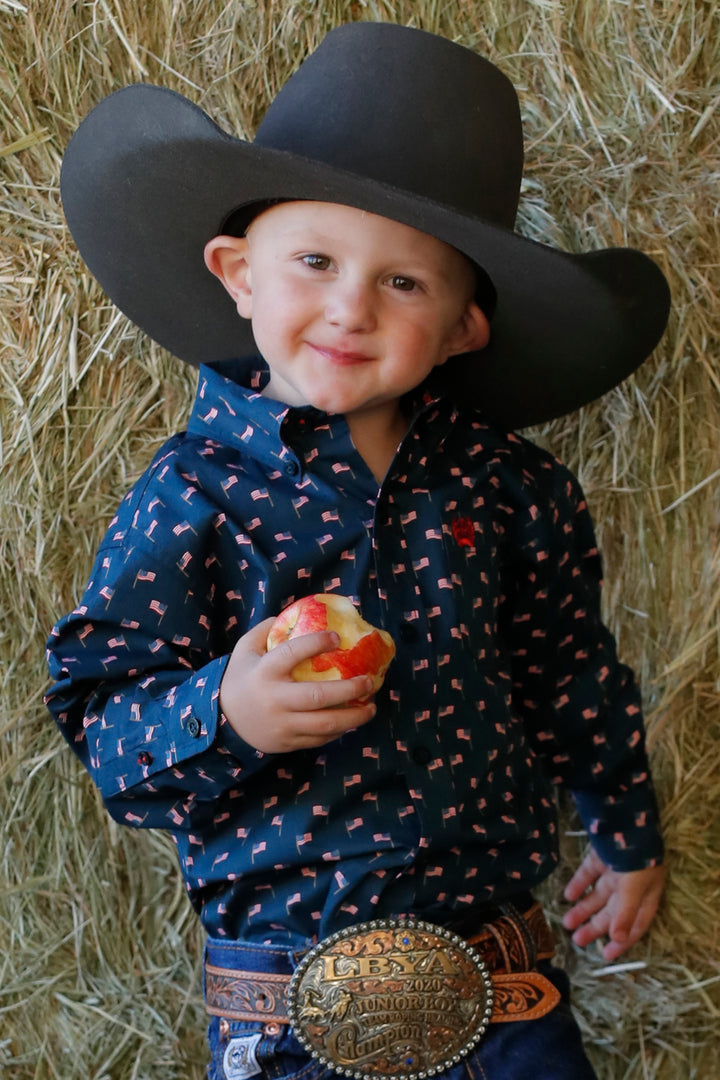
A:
[472,332]
[227,258]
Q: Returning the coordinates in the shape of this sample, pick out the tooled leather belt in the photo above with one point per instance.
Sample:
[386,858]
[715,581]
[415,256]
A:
[398,998]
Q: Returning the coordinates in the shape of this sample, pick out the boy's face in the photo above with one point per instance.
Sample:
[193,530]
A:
[350,310]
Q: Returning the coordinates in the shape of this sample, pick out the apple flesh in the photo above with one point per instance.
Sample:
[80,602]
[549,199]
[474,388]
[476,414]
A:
[363,649]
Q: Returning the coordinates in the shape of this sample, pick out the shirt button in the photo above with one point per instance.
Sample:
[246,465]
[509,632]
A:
[408,632]
[144,758]
[420,755]
[192,726]
[291,468]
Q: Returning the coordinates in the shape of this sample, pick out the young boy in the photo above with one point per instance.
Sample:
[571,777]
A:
[362,446]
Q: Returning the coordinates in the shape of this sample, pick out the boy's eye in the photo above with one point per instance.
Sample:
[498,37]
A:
[404,284]
[316,262]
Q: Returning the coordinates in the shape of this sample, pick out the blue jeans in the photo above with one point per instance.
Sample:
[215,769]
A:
[549,1048]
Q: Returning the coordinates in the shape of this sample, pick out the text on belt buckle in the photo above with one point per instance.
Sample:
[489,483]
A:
[390,998]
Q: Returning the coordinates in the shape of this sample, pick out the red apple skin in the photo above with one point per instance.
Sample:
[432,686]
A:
[363,649]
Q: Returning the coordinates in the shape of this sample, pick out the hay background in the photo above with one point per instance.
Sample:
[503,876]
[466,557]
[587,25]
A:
[99,951]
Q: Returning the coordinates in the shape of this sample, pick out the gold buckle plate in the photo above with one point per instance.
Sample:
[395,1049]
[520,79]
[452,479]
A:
[390,998]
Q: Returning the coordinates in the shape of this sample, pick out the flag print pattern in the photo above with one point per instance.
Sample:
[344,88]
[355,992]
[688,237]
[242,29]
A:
[476,553]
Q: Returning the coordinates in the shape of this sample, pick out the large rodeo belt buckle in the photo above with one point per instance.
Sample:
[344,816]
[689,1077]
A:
[390,998]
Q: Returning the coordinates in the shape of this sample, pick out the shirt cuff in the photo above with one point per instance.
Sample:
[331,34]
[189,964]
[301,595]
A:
[229,740]
[624,829]
[185,728]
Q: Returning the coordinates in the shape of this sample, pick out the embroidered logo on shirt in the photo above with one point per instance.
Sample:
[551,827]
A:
[239,1060]
[463,532]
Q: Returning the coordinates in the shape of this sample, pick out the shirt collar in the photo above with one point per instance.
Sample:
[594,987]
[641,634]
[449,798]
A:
[231,409]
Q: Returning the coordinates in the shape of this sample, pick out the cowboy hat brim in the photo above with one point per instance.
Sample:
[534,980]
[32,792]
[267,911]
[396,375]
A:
[149,178]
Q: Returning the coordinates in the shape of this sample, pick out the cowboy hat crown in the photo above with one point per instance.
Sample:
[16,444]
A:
[433,119]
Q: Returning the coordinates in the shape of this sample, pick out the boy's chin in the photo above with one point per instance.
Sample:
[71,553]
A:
[327,402]
[339,405]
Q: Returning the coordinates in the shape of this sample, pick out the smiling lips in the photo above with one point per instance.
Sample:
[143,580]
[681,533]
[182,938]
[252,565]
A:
[341,357]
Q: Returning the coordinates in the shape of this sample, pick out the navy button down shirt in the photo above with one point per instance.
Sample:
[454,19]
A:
[476,553]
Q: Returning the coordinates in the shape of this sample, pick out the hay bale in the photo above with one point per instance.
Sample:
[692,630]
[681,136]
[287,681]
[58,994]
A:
[100,951]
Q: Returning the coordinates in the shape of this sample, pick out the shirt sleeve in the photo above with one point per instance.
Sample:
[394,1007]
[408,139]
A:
[136,683]
[581,706]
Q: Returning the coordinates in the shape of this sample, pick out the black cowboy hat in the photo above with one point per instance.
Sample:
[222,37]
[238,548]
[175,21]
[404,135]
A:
[392,120]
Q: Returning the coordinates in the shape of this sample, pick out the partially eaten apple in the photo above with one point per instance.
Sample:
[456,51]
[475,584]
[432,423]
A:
[363,649]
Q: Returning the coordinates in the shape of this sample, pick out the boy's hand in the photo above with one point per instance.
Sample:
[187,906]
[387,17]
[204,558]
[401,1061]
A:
[619,905]
[272,712]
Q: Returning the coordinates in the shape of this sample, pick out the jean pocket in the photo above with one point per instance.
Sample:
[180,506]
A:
[241,1050]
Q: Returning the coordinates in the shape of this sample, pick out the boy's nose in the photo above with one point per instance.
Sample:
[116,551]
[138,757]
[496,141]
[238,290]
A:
[351,306]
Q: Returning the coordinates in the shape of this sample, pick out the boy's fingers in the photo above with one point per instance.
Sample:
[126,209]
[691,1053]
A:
[588,904]
[621,906]
[584,911]
[631,920]
[625,931]
[591,929]
[283,658]
[317,729]
[614,950]
[330,693]
[627,928]
[585,876]
[622,924]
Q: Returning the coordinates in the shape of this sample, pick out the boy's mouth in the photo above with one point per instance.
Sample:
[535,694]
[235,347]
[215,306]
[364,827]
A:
[340,356]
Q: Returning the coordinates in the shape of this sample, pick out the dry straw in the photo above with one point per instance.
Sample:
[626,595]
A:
[99,950]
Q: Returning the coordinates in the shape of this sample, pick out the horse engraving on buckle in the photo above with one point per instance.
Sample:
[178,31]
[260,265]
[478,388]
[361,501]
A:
[390,998]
